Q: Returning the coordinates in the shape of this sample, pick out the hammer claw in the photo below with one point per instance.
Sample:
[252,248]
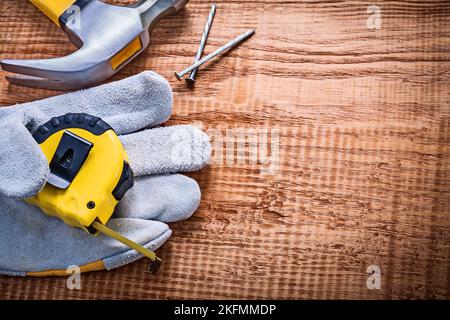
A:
[33,82]
[43,83]
[72,72]
[32,68]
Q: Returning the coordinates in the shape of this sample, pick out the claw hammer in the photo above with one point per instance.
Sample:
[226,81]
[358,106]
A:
[107,36]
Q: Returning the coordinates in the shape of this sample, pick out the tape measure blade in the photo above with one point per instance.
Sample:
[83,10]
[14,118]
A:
[117,236]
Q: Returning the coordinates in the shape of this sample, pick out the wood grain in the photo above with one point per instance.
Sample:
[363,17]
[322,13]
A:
[364,168]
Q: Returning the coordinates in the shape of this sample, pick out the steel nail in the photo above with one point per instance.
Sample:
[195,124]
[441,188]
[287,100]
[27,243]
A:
[212,13]
[229,45]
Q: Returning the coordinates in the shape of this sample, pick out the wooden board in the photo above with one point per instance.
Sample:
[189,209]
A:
[363,177]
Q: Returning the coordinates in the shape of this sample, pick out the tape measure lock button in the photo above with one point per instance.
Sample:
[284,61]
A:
[126,182]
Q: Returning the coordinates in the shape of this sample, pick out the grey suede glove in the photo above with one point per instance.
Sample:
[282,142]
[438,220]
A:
[32,243]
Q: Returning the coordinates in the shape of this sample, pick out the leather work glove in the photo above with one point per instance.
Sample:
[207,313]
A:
[34,244]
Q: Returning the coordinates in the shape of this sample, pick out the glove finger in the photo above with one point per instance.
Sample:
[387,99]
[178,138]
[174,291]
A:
[23,167]
[35,242]
[128,105]
[166,198]
[167,150]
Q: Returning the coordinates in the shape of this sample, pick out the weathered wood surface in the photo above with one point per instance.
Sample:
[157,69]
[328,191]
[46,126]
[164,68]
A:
[364,151]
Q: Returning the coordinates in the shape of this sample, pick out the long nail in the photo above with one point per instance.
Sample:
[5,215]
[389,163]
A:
[229,45]
[212,13]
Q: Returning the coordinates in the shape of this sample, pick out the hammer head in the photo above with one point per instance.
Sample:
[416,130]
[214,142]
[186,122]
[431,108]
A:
[108,38]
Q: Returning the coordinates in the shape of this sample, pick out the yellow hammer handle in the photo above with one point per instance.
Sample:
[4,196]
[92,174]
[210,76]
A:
[53,8]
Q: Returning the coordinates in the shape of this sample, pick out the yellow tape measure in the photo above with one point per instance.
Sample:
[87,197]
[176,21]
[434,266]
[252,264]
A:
[89,175]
